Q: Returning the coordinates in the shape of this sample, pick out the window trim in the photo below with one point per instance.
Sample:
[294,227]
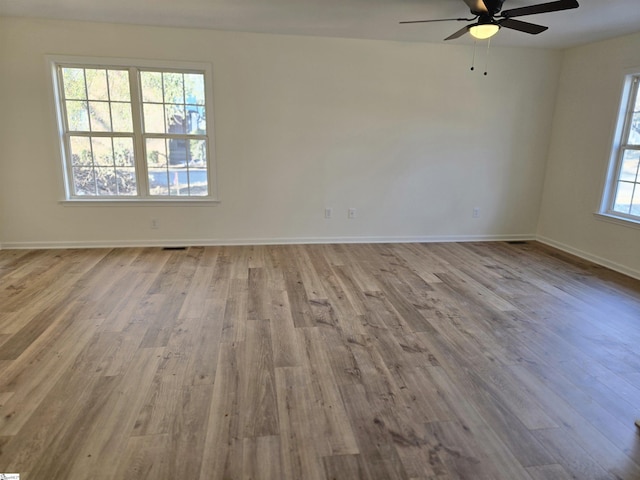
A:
[132,64]
[630,88]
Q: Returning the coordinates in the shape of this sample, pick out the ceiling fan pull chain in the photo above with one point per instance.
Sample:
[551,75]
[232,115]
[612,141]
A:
[473,59]
[486,62]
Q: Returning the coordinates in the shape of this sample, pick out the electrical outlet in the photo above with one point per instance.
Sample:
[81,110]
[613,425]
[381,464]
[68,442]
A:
[476,212]
[352,213]
[328,212]
[155,224]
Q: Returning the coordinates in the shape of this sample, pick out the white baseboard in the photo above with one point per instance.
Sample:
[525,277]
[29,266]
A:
[263,241]
[631,272]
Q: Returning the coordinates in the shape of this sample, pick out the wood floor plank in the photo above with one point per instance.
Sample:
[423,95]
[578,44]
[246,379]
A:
[51,430]
[164,397]
[11,322]
[549,472]
[108,434]
[145,458]
[30,282]
[465,361]
[235,312]
[338,467]
[261,458]
[223,454]
[287,352]
[136,304]
[48,360]
[466,452]
[303,264]
[375,442]
[188,432]
[572,455]
[299,302]
[203,354]
[583,435]
[333,421]
[259,409]
[301,450]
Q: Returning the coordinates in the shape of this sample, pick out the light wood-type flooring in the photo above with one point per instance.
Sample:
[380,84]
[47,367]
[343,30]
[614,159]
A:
[479,361]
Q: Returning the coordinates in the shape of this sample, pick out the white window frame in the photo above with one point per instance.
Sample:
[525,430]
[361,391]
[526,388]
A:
[133,65]
[631,87]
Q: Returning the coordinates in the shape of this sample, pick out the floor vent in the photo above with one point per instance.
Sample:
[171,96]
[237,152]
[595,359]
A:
[517,242]
[174,248]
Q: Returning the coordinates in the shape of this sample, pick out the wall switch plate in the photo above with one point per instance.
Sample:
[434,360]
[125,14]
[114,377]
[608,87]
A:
[328,212]
[155,224]
[352,213]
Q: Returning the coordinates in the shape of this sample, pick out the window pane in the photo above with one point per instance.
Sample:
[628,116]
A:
[173,87]
[80,151]
[151,85]
[178,183]
[196,120]
[157,166]
[197,167]
[73,82]
[178,152]
[630,164]
[156,152]
[100,116]
[175,119]
[106,181]
[77,116]
[634,131]
[198,190]
[624,194]
[84,181]
[153,118]
[126,181]
[123,152]
[194,88]
[119,86]
[121,115]
[197,154]
[102,151]
[97,84]
[635,205]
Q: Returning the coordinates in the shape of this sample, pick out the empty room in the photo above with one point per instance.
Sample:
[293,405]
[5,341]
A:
[272,239]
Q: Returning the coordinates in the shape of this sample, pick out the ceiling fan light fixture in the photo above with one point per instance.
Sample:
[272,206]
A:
[483,31]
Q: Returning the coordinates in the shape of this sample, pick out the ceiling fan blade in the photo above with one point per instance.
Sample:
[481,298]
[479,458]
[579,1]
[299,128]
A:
[526,27]
[459,33]
[441,20]
[540,8]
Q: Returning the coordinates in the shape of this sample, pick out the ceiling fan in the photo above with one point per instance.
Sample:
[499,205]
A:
[489,17]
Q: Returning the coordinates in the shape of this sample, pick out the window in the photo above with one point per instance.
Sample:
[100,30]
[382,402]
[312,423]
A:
[134,130]
[622,193]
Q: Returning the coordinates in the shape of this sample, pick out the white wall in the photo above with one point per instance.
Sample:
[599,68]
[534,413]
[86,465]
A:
[586,112]
[403,132]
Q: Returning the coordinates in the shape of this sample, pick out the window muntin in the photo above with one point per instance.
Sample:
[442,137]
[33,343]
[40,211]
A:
[132,132]
[622,192]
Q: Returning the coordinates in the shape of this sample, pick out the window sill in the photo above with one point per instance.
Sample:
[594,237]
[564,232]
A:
[622,221]
[141,203]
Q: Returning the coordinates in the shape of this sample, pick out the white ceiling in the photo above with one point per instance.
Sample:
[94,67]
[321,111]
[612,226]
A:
[373,19]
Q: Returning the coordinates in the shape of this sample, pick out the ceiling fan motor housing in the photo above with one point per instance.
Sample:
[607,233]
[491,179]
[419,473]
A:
[492,8]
